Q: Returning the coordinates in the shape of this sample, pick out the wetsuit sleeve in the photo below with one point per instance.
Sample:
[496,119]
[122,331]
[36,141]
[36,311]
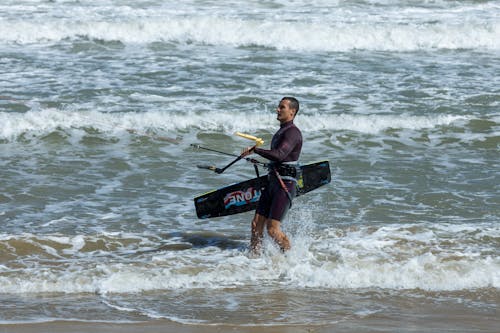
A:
[291,138]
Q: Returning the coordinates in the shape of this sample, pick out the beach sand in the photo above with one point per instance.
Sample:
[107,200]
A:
[149,327]
[437,323]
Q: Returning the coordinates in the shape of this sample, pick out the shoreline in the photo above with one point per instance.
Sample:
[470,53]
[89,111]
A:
[156,326]
[381,323]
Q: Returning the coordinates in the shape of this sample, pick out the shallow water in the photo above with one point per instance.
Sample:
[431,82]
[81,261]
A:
[99,106]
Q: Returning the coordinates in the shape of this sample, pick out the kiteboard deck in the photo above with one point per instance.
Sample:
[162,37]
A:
[244,196]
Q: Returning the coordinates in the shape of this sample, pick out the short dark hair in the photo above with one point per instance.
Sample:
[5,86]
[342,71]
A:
[293,103]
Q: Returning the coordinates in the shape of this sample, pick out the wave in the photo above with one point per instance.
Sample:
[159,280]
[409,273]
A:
[421,256]
[236,32]
[46,121]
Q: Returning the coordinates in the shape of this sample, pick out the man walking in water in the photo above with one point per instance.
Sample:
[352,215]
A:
[276,199]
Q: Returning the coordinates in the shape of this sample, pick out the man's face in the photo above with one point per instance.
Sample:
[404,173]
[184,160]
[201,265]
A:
[285,114]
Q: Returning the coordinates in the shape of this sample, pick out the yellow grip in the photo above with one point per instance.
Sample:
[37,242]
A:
[258,141]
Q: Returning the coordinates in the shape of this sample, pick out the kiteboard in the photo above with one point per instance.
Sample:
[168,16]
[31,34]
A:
[244,196]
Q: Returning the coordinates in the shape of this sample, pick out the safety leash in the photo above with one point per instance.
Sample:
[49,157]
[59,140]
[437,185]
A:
[283,186]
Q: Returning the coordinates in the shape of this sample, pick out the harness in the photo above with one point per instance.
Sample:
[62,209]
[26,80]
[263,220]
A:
[286,170]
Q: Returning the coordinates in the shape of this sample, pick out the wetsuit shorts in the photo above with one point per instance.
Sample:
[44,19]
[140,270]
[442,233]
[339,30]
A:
[274,202]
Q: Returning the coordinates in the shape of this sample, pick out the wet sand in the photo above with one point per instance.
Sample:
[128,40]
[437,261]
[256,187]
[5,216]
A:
[436,323]
[149,327]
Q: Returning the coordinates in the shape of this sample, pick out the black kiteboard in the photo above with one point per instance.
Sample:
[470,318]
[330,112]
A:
[242,197]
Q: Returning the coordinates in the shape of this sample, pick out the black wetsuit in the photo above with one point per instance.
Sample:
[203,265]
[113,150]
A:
[284,155]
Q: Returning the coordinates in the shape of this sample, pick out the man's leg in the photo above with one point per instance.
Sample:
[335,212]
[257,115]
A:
[258,224]
[274,230]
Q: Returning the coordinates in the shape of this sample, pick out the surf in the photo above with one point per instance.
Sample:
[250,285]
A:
[44,121]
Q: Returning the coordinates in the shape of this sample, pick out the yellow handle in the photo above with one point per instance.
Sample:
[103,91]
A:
[258,141]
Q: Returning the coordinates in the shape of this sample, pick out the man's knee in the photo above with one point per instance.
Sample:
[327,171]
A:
[273,228]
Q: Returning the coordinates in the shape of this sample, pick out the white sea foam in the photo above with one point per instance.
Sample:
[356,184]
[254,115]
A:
[384,32]
[426,271]
[46,121]
[394,257]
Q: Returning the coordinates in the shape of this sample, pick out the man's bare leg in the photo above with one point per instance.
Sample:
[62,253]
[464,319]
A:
[274,230]
[258,224]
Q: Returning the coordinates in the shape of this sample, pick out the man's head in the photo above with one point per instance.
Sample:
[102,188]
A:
[287,109]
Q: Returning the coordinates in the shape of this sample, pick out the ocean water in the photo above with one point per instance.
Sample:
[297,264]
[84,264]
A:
[100,102]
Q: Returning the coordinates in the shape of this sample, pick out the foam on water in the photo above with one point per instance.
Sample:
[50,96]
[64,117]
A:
[388,28]
[427,257]
[46,121]
[221,31]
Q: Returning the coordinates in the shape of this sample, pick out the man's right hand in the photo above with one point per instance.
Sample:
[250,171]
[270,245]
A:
[247,151]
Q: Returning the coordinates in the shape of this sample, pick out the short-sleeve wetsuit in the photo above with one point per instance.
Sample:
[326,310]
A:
[286,146]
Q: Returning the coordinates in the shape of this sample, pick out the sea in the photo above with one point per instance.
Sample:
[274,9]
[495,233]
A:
[102,105]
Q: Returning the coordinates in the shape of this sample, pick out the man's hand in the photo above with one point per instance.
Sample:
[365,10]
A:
[247,151]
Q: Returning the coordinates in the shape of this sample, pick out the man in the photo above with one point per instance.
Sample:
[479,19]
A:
[283,171]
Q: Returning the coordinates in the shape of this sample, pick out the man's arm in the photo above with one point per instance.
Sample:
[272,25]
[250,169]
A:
[291,138]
